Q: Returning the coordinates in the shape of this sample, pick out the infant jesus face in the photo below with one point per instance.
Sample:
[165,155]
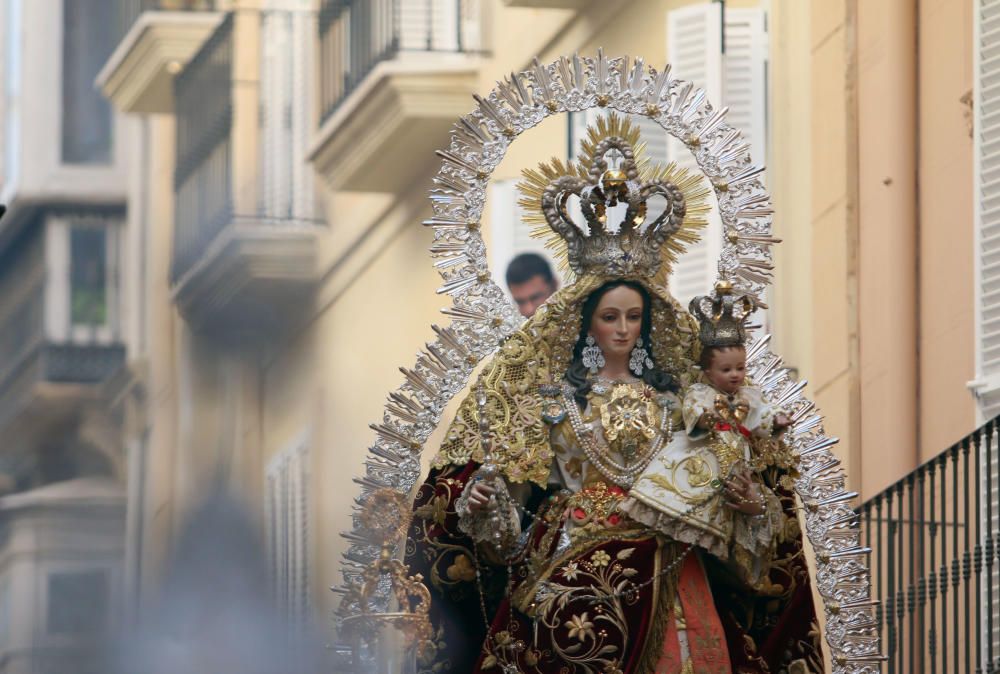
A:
[726,368]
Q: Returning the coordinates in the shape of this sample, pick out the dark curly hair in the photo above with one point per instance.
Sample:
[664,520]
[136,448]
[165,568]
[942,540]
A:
[577,373]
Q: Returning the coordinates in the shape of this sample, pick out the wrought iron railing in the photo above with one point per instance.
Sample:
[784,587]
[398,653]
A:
[357,35]
[935,560]
[203,173]
[28,357]
[129,11]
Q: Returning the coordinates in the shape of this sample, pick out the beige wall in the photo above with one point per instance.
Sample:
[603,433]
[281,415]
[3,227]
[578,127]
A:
[887,267]
[946,319]
[874,301]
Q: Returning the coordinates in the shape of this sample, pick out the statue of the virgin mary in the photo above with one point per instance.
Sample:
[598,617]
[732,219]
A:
[579,517]
[539,554]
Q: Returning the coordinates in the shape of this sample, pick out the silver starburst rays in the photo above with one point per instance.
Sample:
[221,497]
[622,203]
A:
[481,315]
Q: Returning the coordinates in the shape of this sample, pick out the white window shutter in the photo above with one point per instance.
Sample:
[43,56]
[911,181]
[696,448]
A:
[302,108]
[286,120]
[652,134]
[987,201]
[744,78]
[274,196]
[744,89]
[287,503]
[429,25]
[694,51]
[737,80]
[578,123]
[510,235]
[656,139]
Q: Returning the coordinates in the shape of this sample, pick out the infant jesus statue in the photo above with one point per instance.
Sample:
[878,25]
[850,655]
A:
[698,488]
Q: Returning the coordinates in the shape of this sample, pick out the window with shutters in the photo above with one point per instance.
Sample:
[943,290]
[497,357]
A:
[986,144]
[13,48]
[986,150]
[510,235]
[731,66]
[286,110]
[83,295]
[288,541]
[439,25]
[88,38]
[986,179]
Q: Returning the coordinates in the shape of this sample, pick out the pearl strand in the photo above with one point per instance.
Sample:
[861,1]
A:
[622,475]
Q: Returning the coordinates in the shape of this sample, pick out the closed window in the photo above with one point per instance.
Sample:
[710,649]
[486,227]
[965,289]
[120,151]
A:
[88,38]
[288,539]
[88,276]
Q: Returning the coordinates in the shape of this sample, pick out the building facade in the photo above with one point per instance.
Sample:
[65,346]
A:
[236,303]
[62,339]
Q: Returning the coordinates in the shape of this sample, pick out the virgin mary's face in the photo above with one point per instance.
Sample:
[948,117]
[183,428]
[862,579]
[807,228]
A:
[617,321]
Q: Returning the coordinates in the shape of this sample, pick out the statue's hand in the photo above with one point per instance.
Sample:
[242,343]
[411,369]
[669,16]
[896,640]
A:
[481,495]
[743,495]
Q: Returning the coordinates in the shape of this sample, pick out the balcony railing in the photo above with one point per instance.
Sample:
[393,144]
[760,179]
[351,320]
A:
[129,11]
[29,358]
[203,174]
[357,35]
[935,560]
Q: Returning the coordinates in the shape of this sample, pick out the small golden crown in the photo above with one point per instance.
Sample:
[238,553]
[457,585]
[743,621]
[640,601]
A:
[661,207]
[722,316]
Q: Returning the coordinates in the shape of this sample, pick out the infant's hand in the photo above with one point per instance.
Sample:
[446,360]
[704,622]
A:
[743,494]
[781,422]
[480,496]
[707,421]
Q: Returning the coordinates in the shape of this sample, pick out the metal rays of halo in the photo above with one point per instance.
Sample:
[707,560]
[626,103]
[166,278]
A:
[690,183]
[481,315]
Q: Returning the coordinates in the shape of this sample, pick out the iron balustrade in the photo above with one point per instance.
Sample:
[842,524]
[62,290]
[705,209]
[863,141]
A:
[357,35]
[935,562]
[29,357]
[203,173]
[129,11]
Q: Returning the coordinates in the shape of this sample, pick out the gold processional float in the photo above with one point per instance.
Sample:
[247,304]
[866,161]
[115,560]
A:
[378,591]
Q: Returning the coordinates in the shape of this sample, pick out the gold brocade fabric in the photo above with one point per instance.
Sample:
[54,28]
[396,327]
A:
[538,355]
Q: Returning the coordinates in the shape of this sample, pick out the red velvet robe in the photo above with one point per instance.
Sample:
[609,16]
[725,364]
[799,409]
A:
[596,624]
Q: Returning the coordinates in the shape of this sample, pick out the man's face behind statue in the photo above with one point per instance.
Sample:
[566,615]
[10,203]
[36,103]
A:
[531,294]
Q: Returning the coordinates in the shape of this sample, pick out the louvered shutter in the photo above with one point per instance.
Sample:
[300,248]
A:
[286,104]
[745,76]
[987,167]
[744,82]
[275,99]
[430,25]
[694,51]
[287,502]
[509,234]
[653,135]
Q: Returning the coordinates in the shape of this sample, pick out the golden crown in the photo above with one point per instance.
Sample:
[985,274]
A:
[722,316]
[660,208]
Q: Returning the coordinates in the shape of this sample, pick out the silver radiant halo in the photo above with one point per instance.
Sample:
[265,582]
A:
[481,315]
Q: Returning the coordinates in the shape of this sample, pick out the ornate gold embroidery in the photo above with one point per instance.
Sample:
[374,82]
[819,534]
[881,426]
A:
[538,355]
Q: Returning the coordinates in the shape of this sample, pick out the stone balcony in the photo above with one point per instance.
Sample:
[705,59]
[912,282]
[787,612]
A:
[241,270]
[395,94]
[160,39]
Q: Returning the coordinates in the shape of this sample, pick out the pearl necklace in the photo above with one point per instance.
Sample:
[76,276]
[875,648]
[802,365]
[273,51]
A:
[599,453]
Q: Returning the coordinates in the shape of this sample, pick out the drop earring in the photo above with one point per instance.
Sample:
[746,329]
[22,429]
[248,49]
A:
[639,360]
[593,357]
